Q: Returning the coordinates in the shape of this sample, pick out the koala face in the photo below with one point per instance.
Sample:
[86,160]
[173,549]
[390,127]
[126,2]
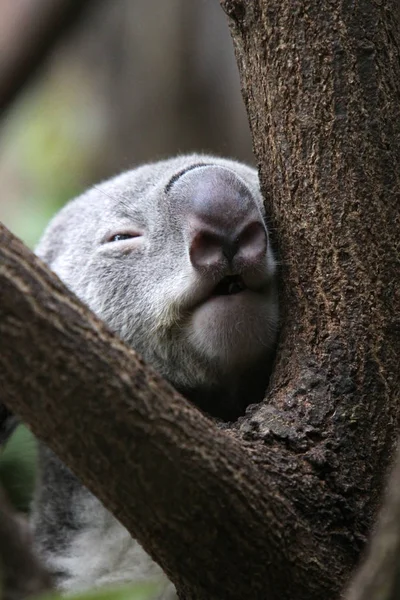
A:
[175,257]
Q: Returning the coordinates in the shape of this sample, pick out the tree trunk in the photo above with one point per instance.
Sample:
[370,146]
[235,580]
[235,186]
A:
[278,505]
[321,82]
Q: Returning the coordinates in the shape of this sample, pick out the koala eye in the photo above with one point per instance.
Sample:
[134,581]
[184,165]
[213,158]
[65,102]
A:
[119,237]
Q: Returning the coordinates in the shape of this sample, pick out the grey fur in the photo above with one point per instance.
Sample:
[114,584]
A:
[146,290]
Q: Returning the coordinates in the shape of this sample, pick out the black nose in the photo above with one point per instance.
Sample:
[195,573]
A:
[209,246]
[225,222]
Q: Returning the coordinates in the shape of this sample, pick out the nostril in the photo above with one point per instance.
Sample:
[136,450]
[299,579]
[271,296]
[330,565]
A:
[205,249]
[211,249]
[253,241]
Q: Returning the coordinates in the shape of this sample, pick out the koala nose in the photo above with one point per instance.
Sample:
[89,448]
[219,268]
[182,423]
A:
[225,223]
[211,247]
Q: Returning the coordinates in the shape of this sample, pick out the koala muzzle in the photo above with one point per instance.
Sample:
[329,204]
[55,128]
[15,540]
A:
[214,247]
[226,228]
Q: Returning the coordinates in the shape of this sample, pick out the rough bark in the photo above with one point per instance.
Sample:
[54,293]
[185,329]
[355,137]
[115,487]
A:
[321,82]
[278,505]
[192,495]
[29,29]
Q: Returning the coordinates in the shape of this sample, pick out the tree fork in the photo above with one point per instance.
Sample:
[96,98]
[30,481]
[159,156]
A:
[190,493]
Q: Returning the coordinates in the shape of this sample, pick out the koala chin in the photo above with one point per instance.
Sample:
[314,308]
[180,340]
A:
[175,257]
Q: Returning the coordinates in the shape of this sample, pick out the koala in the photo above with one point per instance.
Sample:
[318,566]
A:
[175,257]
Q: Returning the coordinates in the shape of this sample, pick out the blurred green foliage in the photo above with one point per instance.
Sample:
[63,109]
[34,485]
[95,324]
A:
[141,591]
[48,149]
[48,145]
[18,461]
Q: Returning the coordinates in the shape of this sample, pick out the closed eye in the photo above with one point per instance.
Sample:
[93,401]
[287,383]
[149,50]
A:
[120,237]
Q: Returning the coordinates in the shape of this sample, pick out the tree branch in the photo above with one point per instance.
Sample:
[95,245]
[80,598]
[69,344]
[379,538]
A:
[178,483]
[29,30]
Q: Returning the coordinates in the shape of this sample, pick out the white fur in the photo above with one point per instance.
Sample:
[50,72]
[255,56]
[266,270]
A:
[103,553]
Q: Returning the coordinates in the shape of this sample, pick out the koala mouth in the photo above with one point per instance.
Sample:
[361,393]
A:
[229,285]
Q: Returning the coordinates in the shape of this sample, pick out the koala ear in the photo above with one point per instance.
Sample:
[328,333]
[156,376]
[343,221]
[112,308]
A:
[52,243]
[65,230]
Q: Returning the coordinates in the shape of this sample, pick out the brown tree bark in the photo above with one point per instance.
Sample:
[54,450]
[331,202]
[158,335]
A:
[279,504]
[194,496]
[321,82]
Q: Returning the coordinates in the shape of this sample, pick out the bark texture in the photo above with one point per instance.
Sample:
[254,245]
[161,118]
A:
[194,496]
[321,82]
[278,505]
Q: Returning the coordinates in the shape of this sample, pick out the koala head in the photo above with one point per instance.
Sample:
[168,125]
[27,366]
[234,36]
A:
[175,257]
